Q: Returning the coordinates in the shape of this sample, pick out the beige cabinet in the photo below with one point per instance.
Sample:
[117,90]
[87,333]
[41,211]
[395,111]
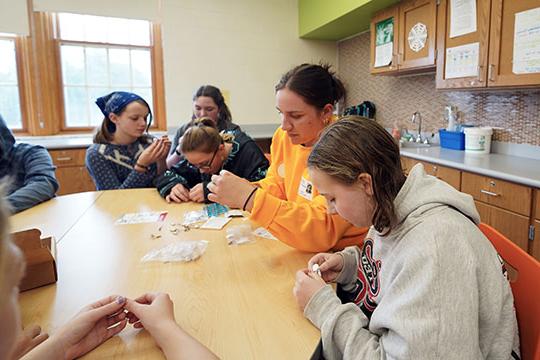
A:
[414,37]
[71,171]
[495,34]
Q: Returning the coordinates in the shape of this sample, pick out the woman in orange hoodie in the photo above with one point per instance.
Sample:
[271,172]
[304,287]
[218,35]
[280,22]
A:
[285,202]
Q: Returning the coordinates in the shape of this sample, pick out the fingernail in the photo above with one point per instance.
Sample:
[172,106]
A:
[120,300]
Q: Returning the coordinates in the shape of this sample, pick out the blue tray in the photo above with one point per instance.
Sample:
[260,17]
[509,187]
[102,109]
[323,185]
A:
[452,139]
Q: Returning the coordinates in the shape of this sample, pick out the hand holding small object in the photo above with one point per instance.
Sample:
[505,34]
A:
[196,194]
[178,194]
[231,190]
[92,326]
[306,285]
[329,265]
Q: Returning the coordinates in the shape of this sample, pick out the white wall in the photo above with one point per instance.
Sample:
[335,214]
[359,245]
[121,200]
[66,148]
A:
[241,46]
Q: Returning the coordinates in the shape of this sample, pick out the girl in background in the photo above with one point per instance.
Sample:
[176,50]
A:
[207,102]
[286,202]
[207,151]
[123,156]
[427,284]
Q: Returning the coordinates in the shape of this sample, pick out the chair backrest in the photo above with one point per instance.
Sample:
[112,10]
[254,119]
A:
[526,290]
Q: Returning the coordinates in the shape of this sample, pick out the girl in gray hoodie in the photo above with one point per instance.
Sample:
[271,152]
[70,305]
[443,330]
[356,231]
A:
[427,284]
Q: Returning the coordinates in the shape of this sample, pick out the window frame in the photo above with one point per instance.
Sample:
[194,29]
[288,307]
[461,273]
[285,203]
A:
[40,78]
[21,82]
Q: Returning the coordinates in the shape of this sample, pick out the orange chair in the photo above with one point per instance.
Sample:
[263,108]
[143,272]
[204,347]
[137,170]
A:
[526,290]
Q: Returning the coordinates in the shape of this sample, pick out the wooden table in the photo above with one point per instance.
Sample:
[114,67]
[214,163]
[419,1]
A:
[237,300]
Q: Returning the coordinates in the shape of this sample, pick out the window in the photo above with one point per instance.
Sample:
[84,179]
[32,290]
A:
[49,80]
[99,55]
[10,105]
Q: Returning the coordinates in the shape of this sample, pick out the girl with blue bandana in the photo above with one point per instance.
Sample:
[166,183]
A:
[123,155]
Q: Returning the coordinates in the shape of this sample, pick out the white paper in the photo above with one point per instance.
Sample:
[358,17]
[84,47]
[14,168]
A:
[234,213]
[215,223]
[383,54]
[141,217]
[462,17]
[462,61]
[527,42]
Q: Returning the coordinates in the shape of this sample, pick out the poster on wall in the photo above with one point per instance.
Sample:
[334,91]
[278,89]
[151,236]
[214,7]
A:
[462,17]
[462,61]
[384,42]
[526,57]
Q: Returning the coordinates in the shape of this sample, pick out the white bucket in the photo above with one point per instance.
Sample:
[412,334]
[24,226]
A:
[478,139]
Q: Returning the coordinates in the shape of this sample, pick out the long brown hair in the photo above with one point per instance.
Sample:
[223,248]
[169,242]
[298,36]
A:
[355,145]
[203,136]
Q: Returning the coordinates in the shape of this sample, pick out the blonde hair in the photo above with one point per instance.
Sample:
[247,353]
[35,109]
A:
[203,136]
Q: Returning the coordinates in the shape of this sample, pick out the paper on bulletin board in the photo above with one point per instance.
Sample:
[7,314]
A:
[527,42]
[462,17]
[462,61]
[384,42]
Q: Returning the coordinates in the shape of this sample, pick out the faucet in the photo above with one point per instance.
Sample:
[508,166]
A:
[416,116]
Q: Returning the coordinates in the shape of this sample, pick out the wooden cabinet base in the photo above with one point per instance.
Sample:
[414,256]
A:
[74,180]
[512,225]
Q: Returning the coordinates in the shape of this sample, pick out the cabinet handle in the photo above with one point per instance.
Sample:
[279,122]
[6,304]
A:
[490,72]
[66,158]
[490,193]
[480,70]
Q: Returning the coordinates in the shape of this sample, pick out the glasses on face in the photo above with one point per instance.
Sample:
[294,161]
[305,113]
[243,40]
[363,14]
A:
[208,165]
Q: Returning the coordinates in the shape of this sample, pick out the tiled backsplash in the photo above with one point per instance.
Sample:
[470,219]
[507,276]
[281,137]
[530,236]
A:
[514,114]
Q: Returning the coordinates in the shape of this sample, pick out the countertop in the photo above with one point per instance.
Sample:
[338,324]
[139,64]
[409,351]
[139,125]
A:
[75,141]
[517,169]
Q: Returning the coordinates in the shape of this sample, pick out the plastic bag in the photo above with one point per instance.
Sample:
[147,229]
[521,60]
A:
[181,251]
[193,217]
[262,232]
[239,234]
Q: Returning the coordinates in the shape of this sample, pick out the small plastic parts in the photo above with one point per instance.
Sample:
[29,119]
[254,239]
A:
[315,268]
[180,251]
[193,217]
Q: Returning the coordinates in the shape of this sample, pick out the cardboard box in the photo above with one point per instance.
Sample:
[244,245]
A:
[40,256]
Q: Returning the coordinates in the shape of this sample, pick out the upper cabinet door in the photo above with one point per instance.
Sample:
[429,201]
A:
[462,50]
[514,54]
[417,34]
[384,41]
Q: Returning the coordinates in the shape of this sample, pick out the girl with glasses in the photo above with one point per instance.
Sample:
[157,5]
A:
[206,152]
